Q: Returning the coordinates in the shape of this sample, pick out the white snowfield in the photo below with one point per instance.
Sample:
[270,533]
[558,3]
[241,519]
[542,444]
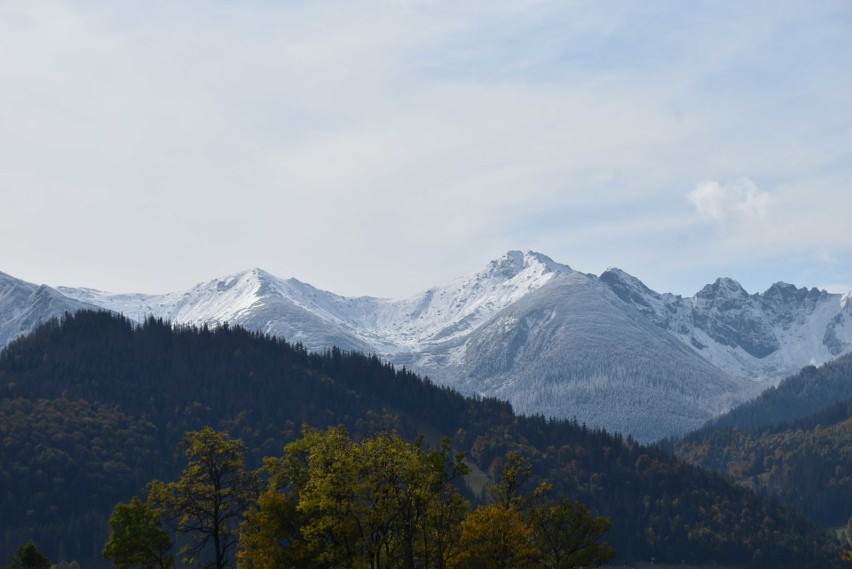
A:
[606,350]
[386,326]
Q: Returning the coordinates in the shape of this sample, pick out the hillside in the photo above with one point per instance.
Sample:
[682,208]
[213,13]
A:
[807,464]
[802,394]
[97,404]
[794,442]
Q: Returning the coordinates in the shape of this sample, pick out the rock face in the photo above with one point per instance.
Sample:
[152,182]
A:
[607,350]
[762,336]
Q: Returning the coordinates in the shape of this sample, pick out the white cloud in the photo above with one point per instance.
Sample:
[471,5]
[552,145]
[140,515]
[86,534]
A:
[836,288]
[738,200]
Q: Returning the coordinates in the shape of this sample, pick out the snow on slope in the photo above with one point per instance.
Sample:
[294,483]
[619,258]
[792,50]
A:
[763,336]
[573,349]
[386,325]
[254,299]
[524,328]
[452,311]
[23,306]
[606,349]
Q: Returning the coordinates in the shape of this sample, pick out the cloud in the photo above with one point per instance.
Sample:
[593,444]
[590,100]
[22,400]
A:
[739,201]
[836,288]
[381,147]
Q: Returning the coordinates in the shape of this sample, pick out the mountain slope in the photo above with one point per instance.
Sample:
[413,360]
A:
[298,311]
[23,306]
[807,463]
[572,349]
[546,338]
[794,441]
[130,393]
[807,392]
[769,335]
[607,350]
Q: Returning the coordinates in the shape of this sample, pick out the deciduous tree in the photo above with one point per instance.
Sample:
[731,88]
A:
[29,557]
[567,536]
[210,497]
[495,537]
[335,502]
[136,538]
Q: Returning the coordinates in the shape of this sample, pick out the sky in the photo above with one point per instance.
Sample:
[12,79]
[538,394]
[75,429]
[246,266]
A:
[382,147]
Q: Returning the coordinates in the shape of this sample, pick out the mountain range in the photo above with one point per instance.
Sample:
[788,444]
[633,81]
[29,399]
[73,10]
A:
[606,350]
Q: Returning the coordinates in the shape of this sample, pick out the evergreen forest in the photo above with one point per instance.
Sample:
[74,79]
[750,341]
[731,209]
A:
[93,408]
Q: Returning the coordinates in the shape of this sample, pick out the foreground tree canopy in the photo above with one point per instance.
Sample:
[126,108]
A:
[334,502]
[137,540]
[29,557]
[209,498]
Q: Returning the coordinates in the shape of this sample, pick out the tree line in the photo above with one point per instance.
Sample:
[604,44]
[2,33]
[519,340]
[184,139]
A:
[331,501]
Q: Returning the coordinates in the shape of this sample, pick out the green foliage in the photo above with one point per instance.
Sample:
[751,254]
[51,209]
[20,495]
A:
[64,463]
[801,463]
[209,498]
[335,502]
[567,536]
[495,537]
[29,557]
[516,472]
[136,538]
[531,530]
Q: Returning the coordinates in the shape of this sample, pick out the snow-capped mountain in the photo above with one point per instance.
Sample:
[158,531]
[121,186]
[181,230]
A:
[319,319]
[763,336]
[573,349]
[23,306]
[606,350]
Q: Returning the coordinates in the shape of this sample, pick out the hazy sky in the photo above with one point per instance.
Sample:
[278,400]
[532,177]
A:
[382,147]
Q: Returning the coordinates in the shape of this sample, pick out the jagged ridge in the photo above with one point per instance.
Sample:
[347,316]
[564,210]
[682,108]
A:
[607,350]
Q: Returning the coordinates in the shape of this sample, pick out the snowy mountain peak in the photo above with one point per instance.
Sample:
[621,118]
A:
[781,289]
[624,284]
[724,287]
[782,292]
[255,276]
[516,262]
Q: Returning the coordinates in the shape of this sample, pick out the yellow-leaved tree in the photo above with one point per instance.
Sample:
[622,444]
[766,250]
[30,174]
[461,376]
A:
[207,502]
[335,502]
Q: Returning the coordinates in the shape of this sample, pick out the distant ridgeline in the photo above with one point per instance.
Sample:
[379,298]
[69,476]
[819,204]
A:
[793,442]
[93,407]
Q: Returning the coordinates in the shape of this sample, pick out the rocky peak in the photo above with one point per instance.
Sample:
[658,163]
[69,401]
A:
[723,288]
[515,262]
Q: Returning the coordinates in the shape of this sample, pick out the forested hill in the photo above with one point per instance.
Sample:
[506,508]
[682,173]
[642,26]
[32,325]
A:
[800,395]
[794,442]
[93,407]
[807,463]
